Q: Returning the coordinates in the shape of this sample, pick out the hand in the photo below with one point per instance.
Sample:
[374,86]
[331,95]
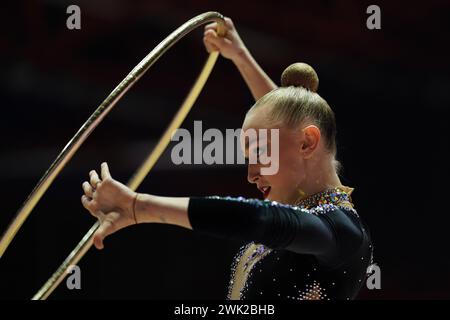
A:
[110,201]
[230,46]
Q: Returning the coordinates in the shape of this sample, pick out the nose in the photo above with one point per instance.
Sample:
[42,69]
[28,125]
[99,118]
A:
[252,173]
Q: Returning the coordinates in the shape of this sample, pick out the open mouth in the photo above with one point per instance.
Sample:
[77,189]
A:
[265,191]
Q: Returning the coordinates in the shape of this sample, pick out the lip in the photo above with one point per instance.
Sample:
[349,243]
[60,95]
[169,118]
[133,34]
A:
[265,190]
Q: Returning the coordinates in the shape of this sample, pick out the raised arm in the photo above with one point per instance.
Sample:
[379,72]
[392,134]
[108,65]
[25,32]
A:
[232,47]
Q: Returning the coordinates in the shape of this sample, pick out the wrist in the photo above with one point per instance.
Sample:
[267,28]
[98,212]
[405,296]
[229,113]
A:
[242,57]
[133,207]
[141,208]
[157,209]
[147,209]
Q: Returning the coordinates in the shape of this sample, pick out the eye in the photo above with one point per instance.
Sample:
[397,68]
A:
[259,151]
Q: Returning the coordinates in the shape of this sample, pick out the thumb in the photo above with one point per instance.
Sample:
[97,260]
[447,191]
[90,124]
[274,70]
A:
[210,47]
[106,228]
[211,37]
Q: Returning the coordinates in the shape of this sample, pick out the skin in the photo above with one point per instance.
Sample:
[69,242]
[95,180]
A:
[305,166]
[232,47]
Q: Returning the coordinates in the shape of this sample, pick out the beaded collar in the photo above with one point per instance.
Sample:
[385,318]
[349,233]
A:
[339,196]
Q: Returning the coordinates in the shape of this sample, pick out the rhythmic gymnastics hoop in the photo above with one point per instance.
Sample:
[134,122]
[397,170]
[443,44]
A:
[94,120]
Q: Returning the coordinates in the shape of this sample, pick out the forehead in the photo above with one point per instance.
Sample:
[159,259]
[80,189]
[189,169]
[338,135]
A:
[257,118]
[253,135]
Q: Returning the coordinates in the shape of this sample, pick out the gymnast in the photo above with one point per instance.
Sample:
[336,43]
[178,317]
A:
[304,239]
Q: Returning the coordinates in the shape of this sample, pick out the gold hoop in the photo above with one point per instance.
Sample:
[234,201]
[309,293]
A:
[93,121]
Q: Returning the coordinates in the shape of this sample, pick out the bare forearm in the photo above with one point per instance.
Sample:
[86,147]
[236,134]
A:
[256,79]
[157,209]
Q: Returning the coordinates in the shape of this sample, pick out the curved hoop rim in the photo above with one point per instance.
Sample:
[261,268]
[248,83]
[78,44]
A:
[97,117]
[93,121]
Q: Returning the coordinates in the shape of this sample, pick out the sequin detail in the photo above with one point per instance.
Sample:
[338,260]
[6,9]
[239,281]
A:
[338,195]
[258,252]
[312,292]
[318,204]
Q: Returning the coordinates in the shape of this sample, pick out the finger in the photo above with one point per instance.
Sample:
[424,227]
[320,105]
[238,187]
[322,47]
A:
[88,191]
[217,41]
[210,33]
[209,46]
[211,26]
[105,171]
[210,42]
[86,202]
[95,180]
[229,23]
[106,228]
[89,205]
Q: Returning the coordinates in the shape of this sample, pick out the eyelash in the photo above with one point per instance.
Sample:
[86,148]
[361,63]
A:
[259,151]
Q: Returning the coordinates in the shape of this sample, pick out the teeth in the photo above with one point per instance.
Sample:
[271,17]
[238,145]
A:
[265,189]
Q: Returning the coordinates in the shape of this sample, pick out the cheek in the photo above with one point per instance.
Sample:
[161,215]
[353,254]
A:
[290,171]
[289,166]
[282,180]
[289,163]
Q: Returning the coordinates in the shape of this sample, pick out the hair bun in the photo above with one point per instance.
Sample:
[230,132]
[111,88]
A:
[300,75]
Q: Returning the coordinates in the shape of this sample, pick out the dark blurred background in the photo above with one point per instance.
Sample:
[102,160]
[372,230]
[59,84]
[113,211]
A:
[390,89]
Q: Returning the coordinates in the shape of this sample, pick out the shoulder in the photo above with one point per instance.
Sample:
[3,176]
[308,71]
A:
[348,228]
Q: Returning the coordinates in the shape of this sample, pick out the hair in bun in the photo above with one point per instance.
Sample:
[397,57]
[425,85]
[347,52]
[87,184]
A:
[300,75]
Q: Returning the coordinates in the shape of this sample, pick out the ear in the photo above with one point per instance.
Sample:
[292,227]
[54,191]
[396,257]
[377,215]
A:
[311,139]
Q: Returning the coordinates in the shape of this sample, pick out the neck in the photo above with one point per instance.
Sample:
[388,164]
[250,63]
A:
[321,176]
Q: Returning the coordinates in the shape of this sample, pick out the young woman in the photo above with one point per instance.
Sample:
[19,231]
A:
[305,239]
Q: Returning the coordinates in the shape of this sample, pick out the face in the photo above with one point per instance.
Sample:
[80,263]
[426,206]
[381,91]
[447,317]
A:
[285,185]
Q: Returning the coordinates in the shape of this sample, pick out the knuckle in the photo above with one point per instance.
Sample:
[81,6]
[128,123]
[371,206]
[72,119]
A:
[91,205]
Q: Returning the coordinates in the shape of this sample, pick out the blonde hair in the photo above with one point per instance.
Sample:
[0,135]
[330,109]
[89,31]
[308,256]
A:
[296,101]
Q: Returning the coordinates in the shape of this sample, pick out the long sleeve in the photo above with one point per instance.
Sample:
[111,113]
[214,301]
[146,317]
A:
[275,225]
